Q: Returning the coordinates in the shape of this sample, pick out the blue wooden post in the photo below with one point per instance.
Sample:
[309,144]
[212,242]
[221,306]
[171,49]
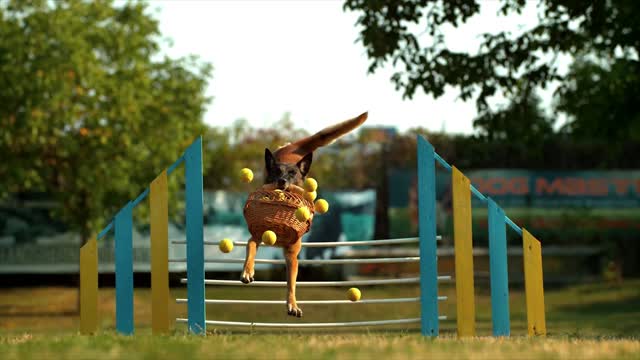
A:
[427,232]
[195,241]
[124,269]
[498,270]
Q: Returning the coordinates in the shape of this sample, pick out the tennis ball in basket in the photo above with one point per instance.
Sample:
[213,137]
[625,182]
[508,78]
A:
[303,214]
[226,245]
[310,195]
[269,237]
[246,175]
[279,194]
[310,184]
[354,294]
[322,206]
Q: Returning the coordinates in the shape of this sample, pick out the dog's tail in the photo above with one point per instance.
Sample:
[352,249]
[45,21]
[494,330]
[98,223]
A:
[294,152]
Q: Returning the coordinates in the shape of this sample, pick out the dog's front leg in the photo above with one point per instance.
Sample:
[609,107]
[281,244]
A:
[248,271]
[291,257]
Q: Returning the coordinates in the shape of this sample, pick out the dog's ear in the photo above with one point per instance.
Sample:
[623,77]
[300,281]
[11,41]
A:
[305,164]
[269,159]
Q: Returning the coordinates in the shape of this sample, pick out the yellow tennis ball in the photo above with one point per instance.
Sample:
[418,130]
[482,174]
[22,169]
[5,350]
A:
[310,184]
[354,294]
[279,194]
[310,195]
[269,237]
[322,206]
[246,175]
[226,245]
[303,214]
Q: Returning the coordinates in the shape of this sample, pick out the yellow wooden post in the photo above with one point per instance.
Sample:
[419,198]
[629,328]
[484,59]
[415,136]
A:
[89,287]
[534,289]
[465,300]
[158,199]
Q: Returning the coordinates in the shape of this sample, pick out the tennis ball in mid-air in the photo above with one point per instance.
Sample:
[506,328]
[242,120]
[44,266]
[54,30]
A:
[225,245]
[246,175]
[322,206]
[310,184]
[269,237]
[354,294]
[310,195]
[303,214]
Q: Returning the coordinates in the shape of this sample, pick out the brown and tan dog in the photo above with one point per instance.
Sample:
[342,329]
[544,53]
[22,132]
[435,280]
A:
[286,169]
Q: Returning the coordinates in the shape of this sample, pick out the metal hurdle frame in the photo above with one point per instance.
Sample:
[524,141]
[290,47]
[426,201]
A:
[412,280]
[427,240]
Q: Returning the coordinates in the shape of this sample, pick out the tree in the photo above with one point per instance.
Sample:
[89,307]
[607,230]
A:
[522,120]
[90,112]
[504,62]
[602,101]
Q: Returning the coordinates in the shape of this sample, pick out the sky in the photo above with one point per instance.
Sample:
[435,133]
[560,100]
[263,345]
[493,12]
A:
[302,57]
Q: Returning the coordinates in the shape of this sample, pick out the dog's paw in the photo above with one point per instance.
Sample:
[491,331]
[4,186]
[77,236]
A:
[246,277]
[293,310]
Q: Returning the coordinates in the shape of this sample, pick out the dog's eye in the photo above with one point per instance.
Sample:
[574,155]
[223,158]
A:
[292,172]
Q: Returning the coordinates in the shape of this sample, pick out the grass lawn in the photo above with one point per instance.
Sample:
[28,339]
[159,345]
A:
[583,322]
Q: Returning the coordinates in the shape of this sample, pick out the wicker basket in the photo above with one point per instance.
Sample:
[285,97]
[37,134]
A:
[275,211]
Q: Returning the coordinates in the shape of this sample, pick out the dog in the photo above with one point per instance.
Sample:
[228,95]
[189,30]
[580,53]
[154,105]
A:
[286,169]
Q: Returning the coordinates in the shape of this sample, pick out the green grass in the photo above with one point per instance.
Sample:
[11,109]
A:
[584,322]
[319,346]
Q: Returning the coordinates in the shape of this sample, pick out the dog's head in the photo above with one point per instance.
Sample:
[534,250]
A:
[283,174]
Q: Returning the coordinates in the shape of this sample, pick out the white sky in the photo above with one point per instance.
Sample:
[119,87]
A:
[272,57]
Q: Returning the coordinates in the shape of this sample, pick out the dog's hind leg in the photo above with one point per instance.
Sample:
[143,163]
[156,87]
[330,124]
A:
[248,271]
[291,258]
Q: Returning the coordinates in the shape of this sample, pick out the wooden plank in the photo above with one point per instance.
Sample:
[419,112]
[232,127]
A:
[534,288]
[159,219]
[124,270]
[465,300]
[428,240]
[89,287]
[498,270]
[195,239]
